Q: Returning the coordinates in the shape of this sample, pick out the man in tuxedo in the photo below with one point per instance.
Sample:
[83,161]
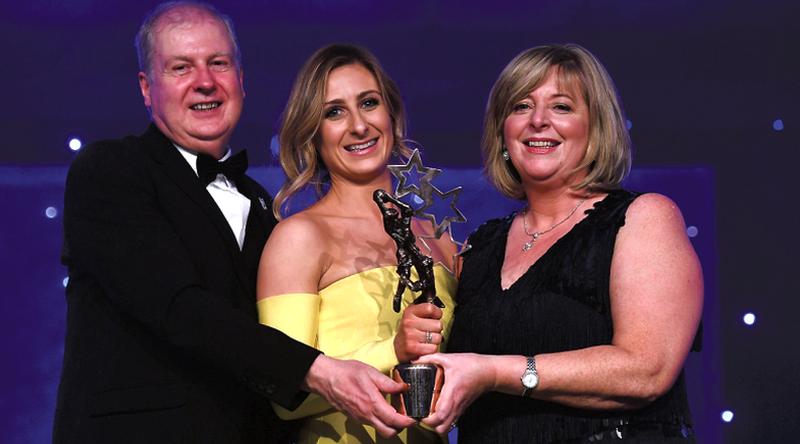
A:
[163,233]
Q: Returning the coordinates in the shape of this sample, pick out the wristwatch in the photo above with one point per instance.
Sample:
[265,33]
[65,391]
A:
[530,378]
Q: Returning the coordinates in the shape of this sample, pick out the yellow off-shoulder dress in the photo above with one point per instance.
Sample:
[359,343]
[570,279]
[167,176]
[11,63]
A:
[351,318]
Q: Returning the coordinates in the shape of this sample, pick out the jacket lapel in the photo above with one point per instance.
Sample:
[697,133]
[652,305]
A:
[259,222]
[177,169]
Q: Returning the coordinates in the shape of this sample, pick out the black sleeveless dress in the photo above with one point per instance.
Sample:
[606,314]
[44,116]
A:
[561,303]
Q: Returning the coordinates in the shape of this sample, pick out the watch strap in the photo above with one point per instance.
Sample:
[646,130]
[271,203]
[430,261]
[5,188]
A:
[530,368]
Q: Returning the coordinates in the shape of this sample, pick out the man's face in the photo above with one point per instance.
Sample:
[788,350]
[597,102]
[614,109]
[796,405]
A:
[194,89]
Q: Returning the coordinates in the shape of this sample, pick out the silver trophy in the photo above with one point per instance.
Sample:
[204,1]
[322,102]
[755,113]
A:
[424,380]
[424,385]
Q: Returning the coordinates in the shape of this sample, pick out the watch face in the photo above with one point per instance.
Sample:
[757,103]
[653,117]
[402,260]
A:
[529,380]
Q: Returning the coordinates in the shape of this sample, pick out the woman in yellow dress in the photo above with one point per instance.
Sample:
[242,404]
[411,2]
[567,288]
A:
[327,274]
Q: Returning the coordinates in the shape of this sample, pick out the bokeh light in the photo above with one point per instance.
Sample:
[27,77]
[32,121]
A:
[727,416]
[75,144]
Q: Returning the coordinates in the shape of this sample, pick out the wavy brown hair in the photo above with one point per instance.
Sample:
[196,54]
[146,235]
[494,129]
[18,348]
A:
[299,132]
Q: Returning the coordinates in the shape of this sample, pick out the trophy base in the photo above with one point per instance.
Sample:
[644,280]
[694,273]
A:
[424,385]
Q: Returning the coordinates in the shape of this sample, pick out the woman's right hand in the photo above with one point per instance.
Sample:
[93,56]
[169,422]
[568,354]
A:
[419,333]
[466,377]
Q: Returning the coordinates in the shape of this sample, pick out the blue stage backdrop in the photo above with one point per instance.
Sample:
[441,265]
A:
[33,314]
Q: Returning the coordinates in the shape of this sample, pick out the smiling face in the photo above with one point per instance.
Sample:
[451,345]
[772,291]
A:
[547,133]
[194,88]
[356,137]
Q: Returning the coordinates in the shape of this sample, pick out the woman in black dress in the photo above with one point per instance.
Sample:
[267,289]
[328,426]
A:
[575,315]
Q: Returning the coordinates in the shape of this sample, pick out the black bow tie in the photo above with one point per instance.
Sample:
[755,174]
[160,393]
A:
[233,168]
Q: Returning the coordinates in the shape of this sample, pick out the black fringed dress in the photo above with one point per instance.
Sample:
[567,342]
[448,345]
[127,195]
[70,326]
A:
[561,303]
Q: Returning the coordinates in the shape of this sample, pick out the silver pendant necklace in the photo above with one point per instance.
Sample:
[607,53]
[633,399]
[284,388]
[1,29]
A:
[536,234]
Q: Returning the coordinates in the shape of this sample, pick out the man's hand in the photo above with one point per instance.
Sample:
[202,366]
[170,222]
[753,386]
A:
[358,390]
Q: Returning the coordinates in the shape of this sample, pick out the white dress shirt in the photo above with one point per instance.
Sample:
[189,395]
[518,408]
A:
[234,206]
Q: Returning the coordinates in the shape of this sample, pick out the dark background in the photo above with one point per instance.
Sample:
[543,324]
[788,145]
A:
[702,82]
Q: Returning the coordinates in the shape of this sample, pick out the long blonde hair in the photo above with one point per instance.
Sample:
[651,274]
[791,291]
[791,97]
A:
[301,120]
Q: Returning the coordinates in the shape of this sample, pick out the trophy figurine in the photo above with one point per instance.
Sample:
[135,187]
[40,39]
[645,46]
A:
[424,380]
[397,223]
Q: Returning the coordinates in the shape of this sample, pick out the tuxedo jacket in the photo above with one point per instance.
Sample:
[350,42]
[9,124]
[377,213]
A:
[162,341]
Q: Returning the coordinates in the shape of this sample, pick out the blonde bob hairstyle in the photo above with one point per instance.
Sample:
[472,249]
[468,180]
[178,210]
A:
[608,156]
[299,132]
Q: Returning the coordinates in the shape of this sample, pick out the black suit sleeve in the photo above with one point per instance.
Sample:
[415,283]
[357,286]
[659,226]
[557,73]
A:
[117,232]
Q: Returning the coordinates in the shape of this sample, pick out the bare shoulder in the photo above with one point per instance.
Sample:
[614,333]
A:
[293,258]
[653,210]
[300,229]
[301,238]
[654,229]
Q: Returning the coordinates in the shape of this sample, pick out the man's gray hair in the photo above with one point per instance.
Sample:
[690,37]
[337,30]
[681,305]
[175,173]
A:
[145,38]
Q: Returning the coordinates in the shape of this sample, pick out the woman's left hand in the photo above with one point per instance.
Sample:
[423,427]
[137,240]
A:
[467,376]
[419,332]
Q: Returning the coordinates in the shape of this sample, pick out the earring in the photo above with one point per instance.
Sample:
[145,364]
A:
[506,156]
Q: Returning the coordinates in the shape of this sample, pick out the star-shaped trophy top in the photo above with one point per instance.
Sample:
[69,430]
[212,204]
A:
[430,195]
[424,177]
[435,194]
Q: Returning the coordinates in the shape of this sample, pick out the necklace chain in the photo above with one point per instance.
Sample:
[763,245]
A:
[536,234]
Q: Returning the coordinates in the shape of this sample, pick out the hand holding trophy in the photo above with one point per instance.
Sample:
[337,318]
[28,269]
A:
[424,380]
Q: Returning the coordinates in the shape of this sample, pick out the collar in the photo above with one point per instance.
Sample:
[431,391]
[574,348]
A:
[191,156]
